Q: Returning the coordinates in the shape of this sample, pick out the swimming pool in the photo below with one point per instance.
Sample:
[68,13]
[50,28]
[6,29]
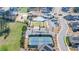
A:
[35,40]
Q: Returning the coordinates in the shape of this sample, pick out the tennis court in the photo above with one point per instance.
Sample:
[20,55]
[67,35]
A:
[35,40]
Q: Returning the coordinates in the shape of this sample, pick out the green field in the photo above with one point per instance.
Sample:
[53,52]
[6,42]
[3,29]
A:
[12,42]
[23,9]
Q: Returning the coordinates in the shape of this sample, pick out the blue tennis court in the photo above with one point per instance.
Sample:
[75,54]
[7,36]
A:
[37,40]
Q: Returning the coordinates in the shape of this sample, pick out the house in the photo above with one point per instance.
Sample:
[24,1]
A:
[65,9]
[3,25]
[74,41]
[71,17]
[11,13]
[75,26]
[46,9]
[76,9]
[3,10]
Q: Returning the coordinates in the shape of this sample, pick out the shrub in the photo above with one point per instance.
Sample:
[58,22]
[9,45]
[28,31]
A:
[24,28]
[23,36]
[22,41]
[68,41]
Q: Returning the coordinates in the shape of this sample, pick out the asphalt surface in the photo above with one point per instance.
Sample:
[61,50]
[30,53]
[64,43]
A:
[63,30]
[62,34]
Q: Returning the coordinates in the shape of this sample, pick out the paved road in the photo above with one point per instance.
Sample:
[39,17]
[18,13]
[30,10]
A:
[63,30]
[62,34]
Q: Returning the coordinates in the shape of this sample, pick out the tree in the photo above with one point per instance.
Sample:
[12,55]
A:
[23,36]
[2,25]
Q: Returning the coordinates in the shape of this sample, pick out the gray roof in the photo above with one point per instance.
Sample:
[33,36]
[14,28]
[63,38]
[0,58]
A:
[74,39]
[75,25]
[45,47]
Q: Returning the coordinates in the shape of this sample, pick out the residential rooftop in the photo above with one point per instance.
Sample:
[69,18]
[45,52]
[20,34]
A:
[74,26]
[74,39]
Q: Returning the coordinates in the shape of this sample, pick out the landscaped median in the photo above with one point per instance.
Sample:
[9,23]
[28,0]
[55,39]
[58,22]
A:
[67,43]
[66,40]
[12,42]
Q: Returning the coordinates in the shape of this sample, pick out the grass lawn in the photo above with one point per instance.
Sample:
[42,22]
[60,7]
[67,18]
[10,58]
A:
[13,40]
[66,40]
[37,24]
[23,9]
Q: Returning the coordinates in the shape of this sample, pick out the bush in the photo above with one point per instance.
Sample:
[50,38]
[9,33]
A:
[22,41]
[24,28]
[26,22]
[6,36]
[0,33]
[68,41]
[23,36]
[6,33]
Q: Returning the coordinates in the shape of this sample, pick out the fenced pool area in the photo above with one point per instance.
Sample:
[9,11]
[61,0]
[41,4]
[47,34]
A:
[35,40]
